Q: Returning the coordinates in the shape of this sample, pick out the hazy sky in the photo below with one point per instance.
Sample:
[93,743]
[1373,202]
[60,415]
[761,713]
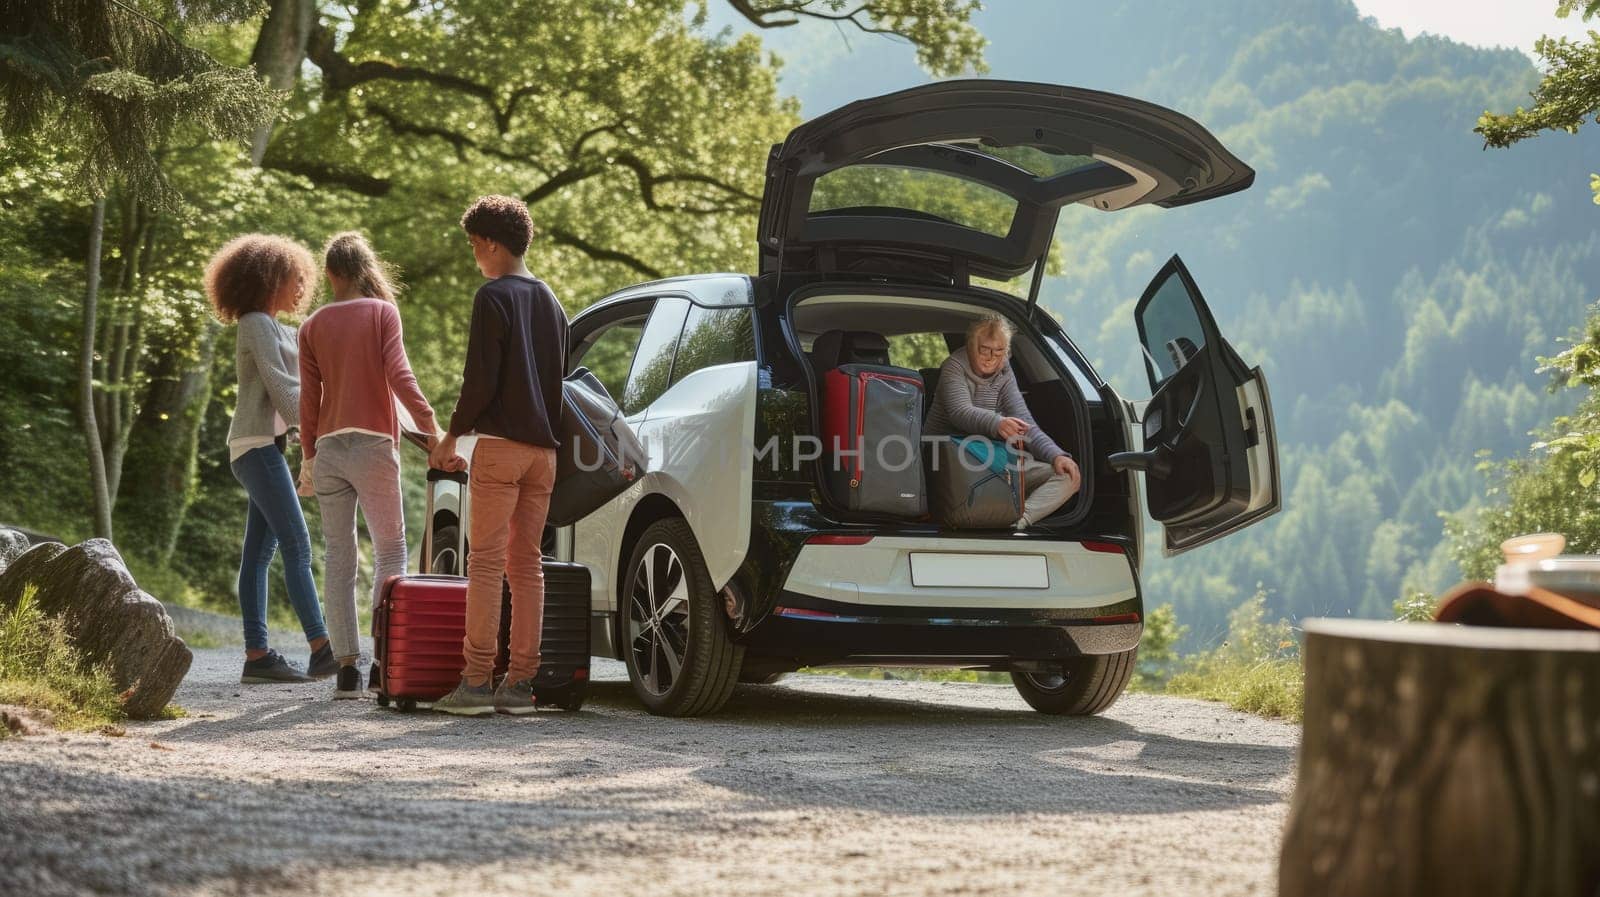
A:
[1513,23]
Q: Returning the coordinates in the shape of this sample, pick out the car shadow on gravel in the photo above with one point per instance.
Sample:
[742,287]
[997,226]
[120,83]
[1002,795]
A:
[795,747]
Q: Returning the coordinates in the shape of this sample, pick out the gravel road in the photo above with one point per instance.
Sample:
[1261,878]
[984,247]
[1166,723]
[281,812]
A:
[817,785]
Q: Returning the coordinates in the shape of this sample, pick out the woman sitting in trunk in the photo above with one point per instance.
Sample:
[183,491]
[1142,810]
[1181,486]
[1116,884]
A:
[978,396]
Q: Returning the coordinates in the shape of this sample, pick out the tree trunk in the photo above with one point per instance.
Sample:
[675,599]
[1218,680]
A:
[91,429]
[162,450]
[1442,759]
[123,367]
[280,49]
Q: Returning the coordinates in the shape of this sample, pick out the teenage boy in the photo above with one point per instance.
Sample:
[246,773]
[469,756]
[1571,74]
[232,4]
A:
[511,398]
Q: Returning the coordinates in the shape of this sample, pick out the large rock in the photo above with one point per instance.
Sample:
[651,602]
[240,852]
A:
[111,620]
[12,545]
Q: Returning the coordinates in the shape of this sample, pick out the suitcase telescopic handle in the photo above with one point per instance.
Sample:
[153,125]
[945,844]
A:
[454,476]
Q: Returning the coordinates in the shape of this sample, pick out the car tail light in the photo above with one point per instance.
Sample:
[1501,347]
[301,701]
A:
[804,612]
[1118,618]
[838,539]
[1104,547]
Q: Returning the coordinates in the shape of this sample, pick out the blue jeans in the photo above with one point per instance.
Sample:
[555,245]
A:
[274,521]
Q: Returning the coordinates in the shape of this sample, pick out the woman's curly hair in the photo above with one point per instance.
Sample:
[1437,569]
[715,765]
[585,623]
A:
[250,271]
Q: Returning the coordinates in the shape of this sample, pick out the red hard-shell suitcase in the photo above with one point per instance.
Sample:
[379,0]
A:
[417,629]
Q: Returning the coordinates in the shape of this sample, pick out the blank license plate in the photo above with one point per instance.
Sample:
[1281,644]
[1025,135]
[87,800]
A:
[979,571]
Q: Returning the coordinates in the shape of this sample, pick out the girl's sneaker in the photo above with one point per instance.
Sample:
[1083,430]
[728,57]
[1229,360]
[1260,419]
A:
[271,668]
[348,687]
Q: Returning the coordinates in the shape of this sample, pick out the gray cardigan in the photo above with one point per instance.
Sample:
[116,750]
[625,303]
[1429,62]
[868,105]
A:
[968,405]
[269,377]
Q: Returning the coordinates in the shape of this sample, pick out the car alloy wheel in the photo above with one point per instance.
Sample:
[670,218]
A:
[658,618]
[682,660]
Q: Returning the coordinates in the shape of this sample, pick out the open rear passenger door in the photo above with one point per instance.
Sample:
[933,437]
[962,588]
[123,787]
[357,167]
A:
[1210,456]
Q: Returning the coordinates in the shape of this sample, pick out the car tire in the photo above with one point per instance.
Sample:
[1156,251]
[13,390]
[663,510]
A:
[681,659]
[1088,685]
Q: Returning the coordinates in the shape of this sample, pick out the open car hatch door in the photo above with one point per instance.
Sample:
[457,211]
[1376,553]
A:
[1210,455]
[964,178]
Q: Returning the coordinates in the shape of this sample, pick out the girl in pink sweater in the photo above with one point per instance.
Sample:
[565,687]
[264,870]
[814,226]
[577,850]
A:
[353,369]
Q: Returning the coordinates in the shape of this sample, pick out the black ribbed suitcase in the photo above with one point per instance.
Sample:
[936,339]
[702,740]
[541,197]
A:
[563,678]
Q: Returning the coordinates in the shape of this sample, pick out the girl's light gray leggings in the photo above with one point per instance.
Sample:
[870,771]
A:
[357,469]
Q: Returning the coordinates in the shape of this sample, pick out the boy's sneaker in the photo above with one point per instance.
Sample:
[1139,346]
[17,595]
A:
[271,668]
[467,700]
[322,663]
[348,688]
[515,698]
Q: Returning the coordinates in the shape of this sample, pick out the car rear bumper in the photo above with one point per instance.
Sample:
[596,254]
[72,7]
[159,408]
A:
[808,631]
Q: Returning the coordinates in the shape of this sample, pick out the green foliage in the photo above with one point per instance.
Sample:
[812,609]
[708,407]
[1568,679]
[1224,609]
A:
[941,30]
[918,350]
[40,668]
[1256,670]
[1415,607]
[1552,490]
[913,674]
[1566,98]
[1158,649]
[115,83]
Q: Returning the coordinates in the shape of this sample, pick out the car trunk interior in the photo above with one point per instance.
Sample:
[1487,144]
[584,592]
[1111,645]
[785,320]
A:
[921,331]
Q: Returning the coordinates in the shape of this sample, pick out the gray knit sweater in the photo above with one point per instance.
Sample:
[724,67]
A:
[967,405]
[269,377]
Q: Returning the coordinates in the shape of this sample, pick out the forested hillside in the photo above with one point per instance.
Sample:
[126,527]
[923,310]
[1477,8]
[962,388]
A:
[1393,278]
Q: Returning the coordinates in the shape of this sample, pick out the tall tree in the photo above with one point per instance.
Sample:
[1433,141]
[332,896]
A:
[114,81]
[637,135]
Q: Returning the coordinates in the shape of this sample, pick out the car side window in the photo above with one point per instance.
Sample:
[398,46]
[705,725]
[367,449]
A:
[1170,329]
[652,363]
[609,354]
[713,336]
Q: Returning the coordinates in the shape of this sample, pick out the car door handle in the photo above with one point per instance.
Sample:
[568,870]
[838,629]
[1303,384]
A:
[1157,462]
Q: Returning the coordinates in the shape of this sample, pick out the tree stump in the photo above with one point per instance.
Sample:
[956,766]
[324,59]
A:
[1441,759]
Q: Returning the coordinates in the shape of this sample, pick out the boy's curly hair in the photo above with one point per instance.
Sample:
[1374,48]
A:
[250,271]
[503,219]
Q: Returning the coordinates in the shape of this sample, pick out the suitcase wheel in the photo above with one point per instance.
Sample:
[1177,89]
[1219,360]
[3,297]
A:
[407,705]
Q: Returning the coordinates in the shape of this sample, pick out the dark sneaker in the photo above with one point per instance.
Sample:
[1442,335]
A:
[322,663]
[348,687]
[374,679]
[270,668]
[515,698]
[467,700]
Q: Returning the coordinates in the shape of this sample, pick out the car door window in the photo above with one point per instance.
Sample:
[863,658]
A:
[1170,329]
[713,336]
[609,354]
[652,363]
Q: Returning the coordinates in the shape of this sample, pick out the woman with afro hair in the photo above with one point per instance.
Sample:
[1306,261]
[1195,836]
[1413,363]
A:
[251,281]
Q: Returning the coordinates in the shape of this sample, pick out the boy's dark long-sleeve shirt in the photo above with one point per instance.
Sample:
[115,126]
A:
[516,357]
